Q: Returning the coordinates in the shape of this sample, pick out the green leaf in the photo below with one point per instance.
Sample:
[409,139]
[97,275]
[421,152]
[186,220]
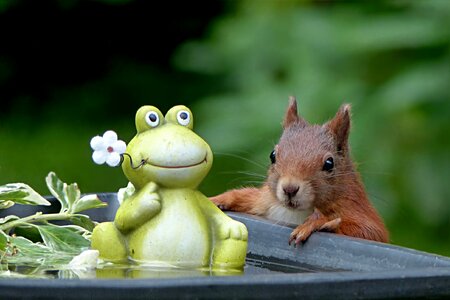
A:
[30,250]
[3,241]
[72,193]
[12,191]
[6,204]
[45,246]
[62,239]
[56,188]
[65,194]
[22,194]
[29,254]
[87,202]
[83,221]
[77,229]
[28,232]
[8,219]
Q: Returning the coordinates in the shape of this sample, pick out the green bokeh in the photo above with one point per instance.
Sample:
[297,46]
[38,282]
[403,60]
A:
[390,60]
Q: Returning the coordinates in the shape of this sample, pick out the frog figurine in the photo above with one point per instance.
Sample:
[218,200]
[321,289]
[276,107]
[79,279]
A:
[163,219]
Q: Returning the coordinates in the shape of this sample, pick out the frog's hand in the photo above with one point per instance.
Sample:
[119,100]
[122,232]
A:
[230,246]
[138,208]
[232,229]
[230,237]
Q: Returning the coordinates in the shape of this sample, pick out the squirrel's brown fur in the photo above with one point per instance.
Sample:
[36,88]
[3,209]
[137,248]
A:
[312,176]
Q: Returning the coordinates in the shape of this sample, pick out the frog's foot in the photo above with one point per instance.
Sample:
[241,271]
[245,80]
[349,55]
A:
[233,230]
[230,247]
[108,240]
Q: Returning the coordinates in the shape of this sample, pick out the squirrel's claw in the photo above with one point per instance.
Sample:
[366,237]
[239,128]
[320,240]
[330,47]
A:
[315,222]
[300,234]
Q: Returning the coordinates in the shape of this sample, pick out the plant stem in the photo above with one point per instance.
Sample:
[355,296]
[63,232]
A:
[38,217]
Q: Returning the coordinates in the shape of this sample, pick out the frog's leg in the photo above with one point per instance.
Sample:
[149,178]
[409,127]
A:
[230,236]
[108,240]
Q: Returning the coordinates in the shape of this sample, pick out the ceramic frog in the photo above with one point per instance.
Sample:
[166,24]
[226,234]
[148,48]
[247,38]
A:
[163,219]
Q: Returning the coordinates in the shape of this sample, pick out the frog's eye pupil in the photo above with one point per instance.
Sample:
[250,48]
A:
[152,119]
[183,118]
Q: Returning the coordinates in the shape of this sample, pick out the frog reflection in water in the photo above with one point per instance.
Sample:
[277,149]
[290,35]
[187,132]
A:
[163,218]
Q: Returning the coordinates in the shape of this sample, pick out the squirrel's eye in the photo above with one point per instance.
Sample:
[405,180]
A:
[183,117]
[272,156]
[152,119]
[328,165]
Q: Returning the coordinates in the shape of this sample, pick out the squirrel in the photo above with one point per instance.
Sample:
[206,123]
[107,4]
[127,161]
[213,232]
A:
[311,181]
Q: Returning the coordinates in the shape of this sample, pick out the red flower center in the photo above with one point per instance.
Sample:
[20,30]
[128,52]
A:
[110,149]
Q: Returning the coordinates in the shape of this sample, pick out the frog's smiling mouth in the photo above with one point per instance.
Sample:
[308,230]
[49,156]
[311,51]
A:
[147,162]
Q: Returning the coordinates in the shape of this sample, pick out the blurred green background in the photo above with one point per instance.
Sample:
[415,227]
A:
[71,69]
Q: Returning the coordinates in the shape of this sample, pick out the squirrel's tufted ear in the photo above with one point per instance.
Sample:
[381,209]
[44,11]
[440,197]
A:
[340,127]
[291,115]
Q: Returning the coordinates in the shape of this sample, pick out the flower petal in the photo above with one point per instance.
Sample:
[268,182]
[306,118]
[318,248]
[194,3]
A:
[113,159]
[119,146]
[97,143]
[99,157]
[85,260]
[109,138]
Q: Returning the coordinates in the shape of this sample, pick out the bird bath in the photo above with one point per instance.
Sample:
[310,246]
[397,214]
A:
[327,265]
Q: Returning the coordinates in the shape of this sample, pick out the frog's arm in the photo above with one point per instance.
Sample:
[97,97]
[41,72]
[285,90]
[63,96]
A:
[230,236]
[213,213]
[226,227]
[138,208]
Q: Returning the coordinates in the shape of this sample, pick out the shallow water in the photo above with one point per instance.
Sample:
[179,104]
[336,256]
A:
[255,265]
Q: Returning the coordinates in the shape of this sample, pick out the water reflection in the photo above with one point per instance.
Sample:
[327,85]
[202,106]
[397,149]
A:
[255,265]
[114,271]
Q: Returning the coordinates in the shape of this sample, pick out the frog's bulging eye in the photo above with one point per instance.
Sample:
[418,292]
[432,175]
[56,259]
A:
[183,118]
[152,119]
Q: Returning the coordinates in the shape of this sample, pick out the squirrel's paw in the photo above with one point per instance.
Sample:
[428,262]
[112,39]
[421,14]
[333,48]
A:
[219,202]
[316,222]
[234,230]
[301,234]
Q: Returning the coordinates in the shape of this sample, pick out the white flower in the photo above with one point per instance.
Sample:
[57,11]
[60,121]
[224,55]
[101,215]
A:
[107,148]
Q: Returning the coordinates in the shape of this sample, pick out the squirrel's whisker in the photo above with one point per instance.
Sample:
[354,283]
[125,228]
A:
[242,158]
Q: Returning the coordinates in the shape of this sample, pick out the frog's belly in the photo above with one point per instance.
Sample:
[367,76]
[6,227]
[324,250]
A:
[178,235]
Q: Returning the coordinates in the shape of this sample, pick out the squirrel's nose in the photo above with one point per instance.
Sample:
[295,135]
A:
[290,191]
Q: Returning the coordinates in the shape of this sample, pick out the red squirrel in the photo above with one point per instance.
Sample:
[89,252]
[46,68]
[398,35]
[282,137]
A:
[311,176]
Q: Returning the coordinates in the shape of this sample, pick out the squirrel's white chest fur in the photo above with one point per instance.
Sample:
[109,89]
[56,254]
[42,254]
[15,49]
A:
[279,213]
